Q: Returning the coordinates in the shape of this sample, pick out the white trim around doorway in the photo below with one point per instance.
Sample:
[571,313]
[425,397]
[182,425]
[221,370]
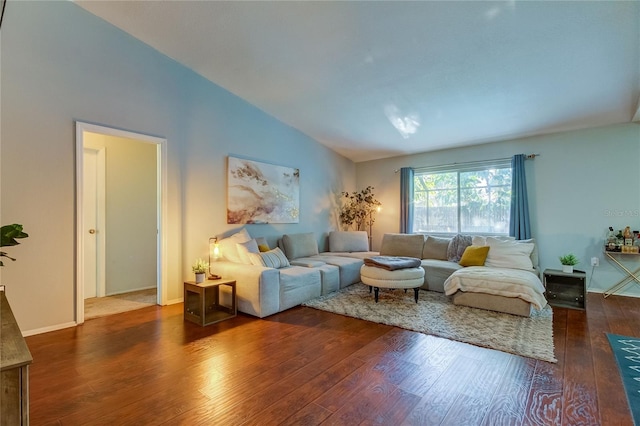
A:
[161,244]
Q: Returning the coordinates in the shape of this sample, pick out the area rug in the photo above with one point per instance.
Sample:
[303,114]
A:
[435,314]
[627,353]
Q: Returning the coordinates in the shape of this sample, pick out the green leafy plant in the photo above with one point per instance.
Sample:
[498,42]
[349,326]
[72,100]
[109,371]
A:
[359,208]
[569,259]
[8,236]
[200,267]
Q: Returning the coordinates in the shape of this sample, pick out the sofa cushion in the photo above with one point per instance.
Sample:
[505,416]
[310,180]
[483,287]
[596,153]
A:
[348,241]
[353,254]
[435,248]
[307,262]
[457,245]
[409,245]
[474,256]
[297,285]
[228,248]
[436,273]
[300,245]
[349,268]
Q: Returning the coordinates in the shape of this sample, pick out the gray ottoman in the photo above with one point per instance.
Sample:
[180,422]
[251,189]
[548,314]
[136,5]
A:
[378,278]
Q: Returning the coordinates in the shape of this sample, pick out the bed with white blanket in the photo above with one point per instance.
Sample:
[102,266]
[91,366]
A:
[513,291]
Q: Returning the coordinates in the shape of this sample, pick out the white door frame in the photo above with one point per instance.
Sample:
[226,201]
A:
[161,244]
[101,247]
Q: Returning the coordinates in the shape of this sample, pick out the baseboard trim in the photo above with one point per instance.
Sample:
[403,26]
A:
[174,301]
[49,328]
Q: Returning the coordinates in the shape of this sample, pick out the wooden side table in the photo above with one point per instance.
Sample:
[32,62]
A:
[203,302]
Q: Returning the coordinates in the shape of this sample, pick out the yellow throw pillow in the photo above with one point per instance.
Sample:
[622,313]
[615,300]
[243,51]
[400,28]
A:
[474,256]
[263,248]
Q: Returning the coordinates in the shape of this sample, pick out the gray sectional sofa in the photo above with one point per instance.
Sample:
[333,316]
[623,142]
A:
[296,271]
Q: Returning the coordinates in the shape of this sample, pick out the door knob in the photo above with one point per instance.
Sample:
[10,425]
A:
[92,231]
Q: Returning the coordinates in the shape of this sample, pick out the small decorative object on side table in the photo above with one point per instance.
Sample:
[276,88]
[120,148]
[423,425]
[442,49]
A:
[203,301]
[567,290]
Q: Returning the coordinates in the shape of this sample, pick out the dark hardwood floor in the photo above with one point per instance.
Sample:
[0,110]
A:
[305,366]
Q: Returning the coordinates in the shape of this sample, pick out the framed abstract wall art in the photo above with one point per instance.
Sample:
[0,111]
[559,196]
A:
[262,193]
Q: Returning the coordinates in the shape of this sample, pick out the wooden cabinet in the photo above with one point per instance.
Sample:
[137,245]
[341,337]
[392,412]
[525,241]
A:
[14,369]
[566,290]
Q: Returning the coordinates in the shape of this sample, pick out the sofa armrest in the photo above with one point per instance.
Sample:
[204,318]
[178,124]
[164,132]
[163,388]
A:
[257,287]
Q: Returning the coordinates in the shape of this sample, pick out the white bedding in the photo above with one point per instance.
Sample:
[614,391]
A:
[499,281]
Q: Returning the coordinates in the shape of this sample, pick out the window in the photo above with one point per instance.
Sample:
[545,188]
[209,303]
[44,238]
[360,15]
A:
[473,198]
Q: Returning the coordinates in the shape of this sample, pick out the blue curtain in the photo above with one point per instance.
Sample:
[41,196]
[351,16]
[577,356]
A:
[519,225]
[406,200]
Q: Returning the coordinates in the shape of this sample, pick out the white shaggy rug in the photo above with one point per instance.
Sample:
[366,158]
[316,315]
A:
[435,314]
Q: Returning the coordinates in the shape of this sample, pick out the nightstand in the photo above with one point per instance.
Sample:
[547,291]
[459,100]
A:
[203,301]
[567,290]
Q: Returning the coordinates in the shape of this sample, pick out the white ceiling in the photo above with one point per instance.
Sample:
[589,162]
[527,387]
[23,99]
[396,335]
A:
[379,79]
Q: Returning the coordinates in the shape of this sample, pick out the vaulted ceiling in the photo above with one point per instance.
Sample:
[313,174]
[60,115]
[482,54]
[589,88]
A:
[378,79]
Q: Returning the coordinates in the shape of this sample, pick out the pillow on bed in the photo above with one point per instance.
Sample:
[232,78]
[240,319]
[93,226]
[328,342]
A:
[509,254]
[474,256]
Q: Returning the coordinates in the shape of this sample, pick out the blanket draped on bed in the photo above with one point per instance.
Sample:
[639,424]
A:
[391,263]
[499,281]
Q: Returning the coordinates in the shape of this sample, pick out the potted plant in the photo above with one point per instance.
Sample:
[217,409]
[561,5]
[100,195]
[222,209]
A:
[8,236]
[200,269]
[358,209]
[568,262]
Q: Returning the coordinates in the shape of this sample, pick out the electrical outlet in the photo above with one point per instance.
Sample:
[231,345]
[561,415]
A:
[595,261]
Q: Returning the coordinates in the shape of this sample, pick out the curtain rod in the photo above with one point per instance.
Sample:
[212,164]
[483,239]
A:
[526,157]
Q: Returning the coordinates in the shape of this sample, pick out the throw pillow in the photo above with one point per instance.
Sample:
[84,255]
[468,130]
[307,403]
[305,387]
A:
[272,259]
[474,256]
[228,248]
[262,244]
[509,254]
[244,249]
[456,247]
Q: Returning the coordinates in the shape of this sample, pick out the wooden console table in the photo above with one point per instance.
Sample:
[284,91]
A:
[14,369]
[631,277]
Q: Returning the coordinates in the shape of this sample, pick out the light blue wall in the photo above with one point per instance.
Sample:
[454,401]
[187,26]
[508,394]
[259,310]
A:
[582,183]
[60,64]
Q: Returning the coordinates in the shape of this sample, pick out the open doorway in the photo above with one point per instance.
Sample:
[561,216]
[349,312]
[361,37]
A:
[120,220]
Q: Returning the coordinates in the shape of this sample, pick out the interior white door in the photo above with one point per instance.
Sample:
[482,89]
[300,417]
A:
[90,208]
